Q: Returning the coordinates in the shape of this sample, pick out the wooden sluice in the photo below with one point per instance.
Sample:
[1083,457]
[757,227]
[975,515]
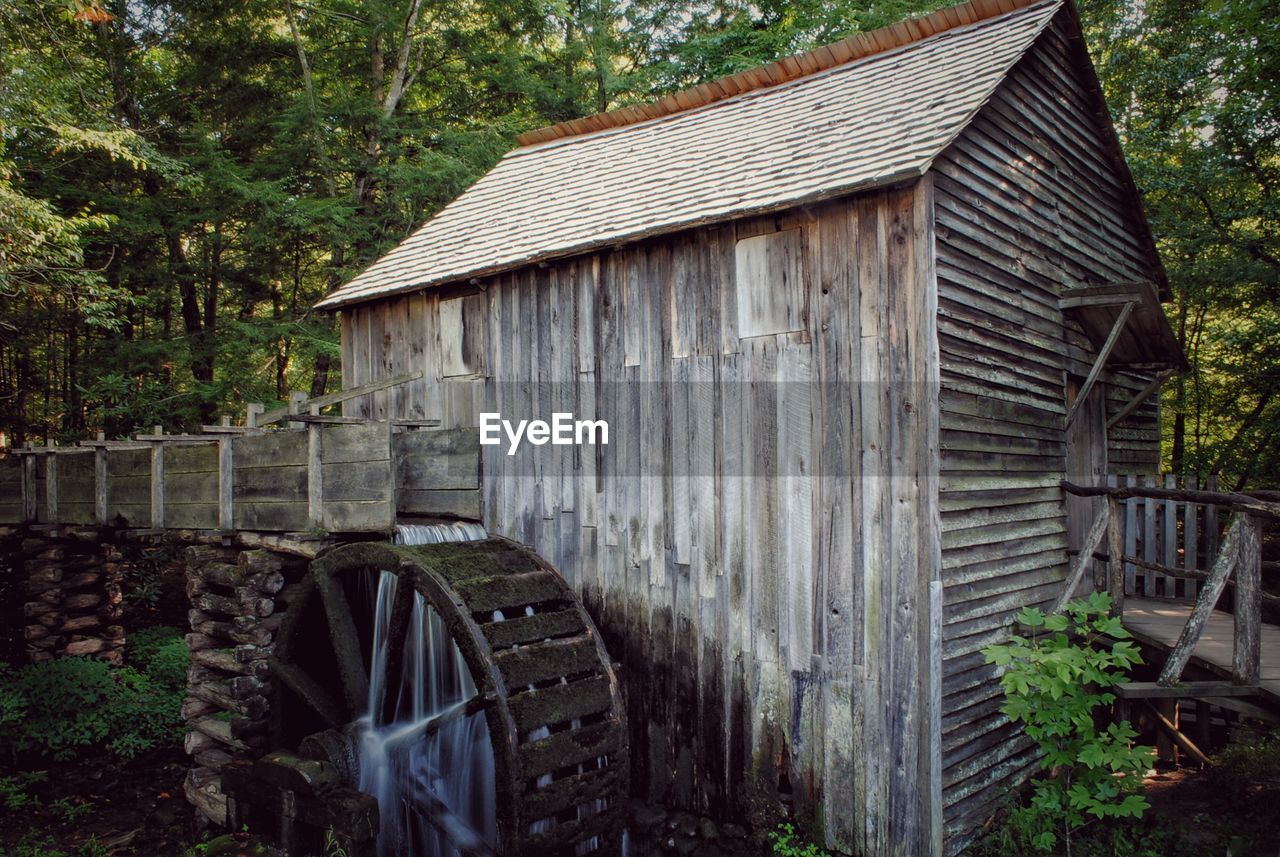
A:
[326,476]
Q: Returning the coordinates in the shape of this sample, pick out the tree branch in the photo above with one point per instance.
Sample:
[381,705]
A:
[401,74]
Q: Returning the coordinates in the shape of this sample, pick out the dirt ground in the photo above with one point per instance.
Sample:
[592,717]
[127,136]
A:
[94,808]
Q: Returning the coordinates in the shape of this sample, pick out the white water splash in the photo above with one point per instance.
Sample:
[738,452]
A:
[435,534]
[399,764]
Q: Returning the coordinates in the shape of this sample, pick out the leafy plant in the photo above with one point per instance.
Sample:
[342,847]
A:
[332,847]
[61,707]
[70,810]
[786,841]
[1055,683]
[140,647]
[14,795]
[34,844]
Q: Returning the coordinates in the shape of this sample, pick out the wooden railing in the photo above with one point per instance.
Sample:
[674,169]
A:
[1160,534]
[1237,561]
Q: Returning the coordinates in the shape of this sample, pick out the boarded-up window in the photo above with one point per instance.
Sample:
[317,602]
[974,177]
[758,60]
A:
[464,335]
[769,284]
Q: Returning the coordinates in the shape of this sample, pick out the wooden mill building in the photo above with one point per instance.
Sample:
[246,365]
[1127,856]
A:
[851,318]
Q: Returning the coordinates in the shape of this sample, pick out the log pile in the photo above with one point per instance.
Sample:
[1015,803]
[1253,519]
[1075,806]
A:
[237,601]
[73,591]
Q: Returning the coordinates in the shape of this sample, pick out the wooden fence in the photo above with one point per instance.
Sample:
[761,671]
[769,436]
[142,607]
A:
[1165,533]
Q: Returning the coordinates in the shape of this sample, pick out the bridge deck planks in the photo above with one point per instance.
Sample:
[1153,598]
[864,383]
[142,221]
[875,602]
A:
[1158,622]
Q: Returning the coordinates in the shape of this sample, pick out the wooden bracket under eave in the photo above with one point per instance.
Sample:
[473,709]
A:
[1103,354]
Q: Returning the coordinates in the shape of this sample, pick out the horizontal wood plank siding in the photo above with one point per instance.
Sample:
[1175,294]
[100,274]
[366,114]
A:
[1027,204]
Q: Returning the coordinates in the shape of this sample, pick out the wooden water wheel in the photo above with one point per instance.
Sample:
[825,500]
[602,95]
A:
[544,680]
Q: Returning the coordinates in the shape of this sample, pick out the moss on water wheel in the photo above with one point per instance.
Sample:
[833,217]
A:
[544,680]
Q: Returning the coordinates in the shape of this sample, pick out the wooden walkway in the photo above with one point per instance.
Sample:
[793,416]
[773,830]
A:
[1158,622]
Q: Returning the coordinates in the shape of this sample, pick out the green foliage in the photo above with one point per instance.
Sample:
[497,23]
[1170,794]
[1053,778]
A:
[1055,683]
[1252,757]
[1193,90]
[332,846]
[1126,837]
[35,844]
[14,795]
[162,654]
[63,707]
[71,811]
[786,841]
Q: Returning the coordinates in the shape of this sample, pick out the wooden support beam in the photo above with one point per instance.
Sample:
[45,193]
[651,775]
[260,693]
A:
[157,481]
[30,506]
[1100,361]
[297,405]
[226,483]
[1209,594]
[1248,709]
[1115,550]
[328,399]
[1242,502]
[51,488]
[100,484]
[1176,735]
[315,478]
[1142,395]
[1246,657]
[1186,690]
[1071,300]
[1091,543]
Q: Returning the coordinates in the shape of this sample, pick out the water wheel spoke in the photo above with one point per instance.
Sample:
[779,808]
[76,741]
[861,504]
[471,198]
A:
[452,714]
[461,835]
[397,637]
[309,691]
[346,642]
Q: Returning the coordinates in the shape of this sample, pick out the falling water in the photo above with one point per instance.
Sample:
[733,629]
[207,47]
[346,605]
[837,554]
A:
[402,764]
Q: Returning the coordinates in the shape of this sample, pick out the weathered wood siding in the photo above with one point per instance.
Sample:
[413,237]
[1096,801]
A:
[758,541]
[1027,203]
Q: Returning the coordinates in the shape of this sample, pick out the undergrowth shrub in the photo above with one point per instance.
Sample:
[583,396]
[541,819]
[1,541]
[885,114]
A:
[786,841]
[1056,684]
[62,707]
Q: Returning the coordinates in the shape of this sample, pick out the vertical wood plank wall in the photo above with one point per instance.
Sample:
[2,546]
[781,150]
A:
[759,539]
[1027,202]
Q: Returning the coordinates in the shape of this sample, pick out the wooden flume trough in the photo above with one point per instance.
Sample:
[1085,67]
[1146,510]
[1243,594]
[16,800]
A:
[317,475]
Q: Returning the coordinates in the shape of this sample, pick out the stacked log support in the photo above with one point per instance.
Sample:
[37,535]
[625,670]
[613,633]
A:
[237,600]
[73,595]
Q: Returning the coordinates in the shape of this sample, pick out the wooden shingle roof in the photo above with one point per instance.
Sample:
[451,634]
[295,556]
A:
[798,136]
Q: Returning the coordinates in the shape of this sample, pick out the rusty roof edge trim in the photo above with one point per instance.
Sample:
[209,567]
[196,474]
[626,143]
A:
[336,301]
[863,45]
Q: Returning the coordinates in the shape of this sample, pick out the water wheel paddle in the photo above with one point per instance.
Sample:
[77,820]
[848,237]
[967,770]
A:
[541,674]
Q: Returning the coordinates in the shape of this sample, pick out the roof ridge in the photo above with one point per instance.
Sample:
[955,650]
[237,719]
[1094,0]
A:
[795,67]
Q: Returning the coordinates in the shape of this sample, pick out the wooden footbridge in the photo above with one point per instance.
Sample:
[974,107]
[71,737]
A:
[1205,654]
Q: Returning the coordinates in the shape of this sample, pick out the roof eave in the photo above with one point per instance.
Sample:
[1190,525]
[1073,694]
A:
[336,302]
